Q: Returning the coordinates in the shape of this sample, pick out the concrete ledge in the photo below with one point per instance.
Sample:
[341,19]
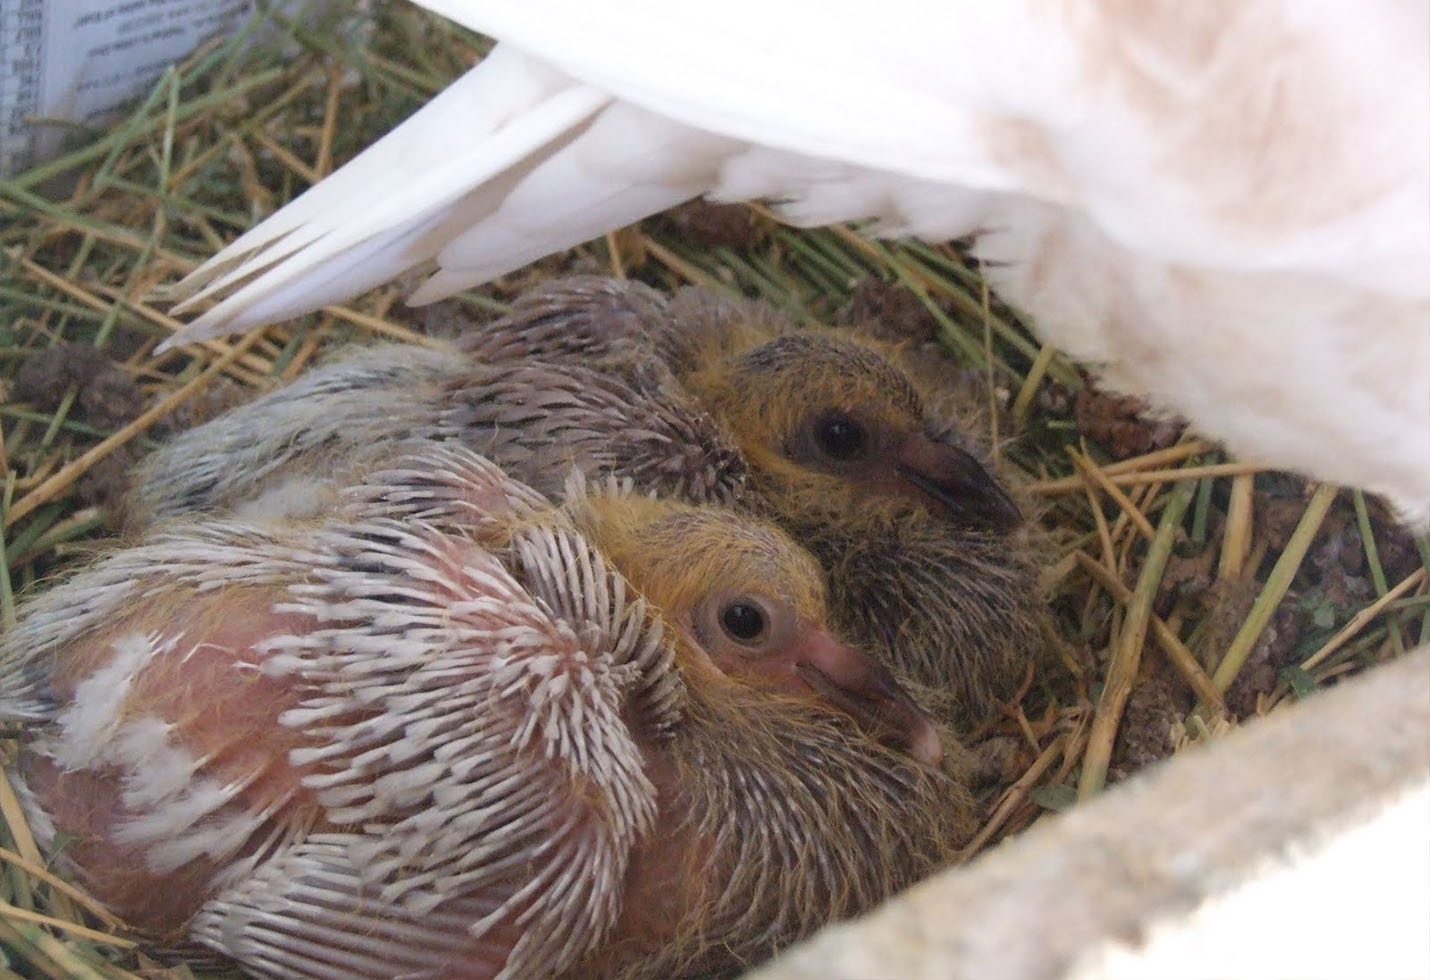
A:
[1297,846]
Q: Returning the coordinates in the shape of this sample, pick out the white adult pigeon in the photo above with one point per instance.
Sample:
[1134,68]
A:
[1225,204]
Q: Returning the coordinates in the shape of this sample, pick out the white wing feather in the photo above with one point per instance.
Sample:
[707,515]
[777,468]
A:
[1266,134]
[1250,177]
[373,219]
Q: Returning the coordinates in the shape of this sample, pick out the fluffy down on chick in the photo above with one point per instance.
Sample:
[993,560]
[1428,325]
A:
[288,452]
[928,559]
[700,397]
[452,731]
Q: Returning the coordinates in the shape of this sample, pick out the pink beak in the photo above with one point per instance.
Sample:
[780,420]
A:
[867,692]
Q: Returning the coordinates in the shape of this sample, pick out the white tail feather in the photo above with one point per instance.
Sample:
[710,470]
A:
[340,234]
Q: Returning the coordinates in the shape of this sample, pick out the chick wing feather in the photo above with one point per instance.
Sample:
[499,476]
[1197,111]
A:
[432,708]
[290,452]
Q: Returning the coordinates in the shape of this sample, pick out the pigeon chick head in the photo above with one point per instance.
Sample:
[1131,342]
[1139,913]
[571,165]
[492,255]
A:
[750,605]
[831,427]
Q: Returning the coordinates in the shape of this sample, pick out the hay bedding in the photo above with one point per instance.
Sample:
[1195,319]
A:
[1186,592]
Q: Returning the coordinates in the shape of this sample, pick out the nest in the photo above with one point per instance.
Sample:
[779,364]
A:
[1186,592]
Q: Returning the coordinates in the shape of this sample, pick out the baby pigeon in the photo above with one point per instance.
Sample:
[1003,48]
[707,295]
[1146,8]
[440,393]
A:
[372,747]
[1135,177]
[927,562]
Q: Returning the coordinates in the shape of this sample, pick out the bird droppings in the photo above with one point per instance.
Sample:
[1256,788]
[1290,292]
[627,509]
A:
[102,395]
[1148,733]
[706,224]
[1123,425]
[1261,674]
[105,394]
[889,312]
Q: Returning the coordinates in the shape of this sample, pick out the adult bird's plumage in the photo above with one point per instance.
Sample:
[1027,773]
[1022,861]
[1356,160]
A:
[1223,205]
[436,734]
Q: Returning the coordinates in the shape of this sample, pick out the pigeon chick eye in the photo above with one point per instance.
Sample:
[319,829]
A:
[744,621]
[737,627]
[839,436]
[832,439]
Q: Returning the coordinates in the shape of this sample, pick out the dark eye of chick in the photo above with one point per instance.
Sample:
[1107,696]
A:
[839,436]
[743,622]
